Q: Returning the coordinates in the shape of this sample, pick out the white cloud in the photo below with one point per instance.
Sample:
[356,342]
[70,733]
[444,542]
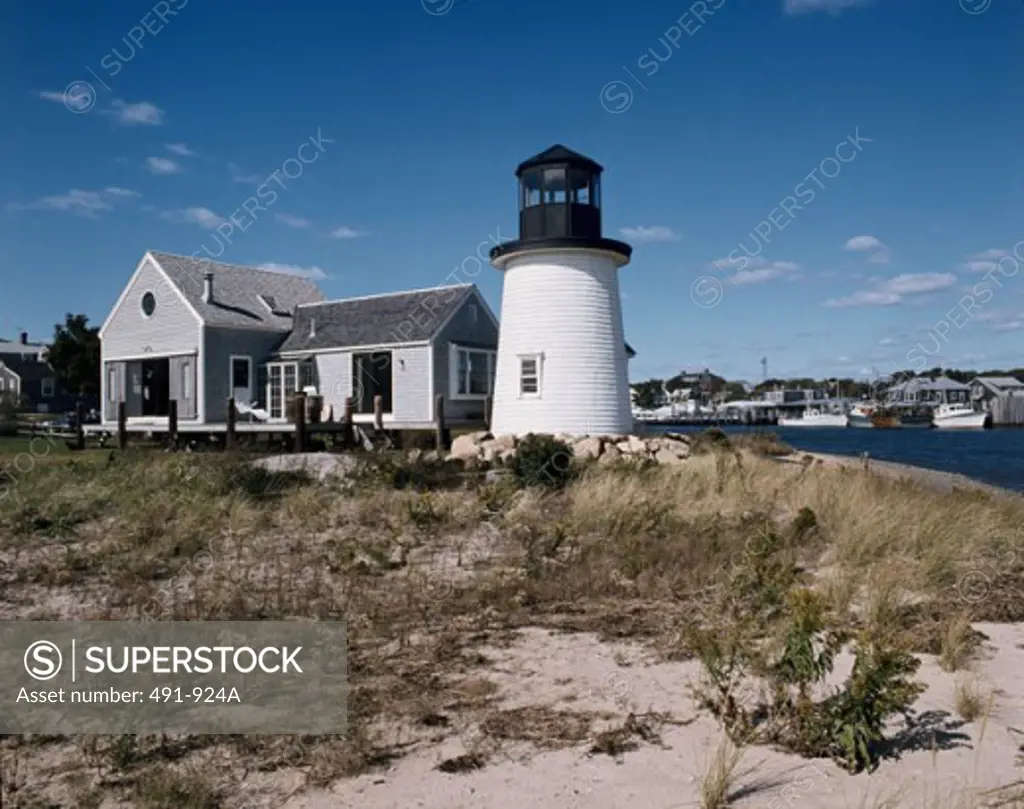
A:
[312,273]
[1009,325]
[142,114]
[180,149]
[79,203]
[894,290]
[240,176]
[831,6]
[877,252]
[756,270]
[161,165]
[292,221]
[985,261]
[203,217]
[344,232]
[51,96]
[886,341]
[654,233]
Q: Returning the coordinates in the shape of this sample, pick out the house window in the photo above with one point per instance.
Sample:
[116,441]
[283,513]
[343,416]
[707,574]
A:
[48,388]
[473,312]
[186,380]
[473,372]
[241,378]
[148,304]
[529,374]
[372,374]
[112,384]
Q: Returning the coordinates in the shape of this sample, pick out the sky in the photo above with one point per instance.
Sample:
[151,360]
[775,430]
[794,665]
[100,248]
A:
[833,185]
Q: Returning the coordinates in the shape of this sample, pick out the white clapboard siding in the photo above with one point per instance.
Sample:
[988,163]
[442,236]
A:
[565,306]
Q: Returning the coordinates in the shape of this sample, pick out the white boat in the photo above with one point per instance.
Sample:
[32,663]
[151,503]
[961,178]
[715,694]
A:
[860,416]
[815,417]
[959,416]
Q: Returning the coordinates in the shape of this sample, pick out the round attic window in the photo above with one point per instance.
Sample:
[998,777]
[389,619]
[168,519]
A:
[148,304]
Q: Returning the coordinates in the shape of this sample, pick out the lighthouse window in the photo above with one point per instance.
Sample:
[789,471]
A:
[529,375]
[554,185]
[531,188]
[579,182]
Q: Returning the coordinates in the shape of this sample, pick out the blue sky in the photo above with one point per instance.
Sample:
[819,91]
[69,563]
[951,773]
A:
[721,125]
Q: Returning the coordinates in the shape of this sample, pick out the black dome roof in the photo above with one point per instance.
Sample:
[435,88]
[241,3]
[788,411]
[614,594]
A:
[560,154]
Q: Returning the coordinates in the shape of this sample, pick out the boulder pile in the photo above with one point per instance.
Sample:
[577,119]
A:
[664,449]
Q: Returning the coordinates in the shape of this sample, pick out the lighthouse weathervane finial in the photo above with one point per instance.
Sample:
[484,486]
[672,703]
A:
[561,351]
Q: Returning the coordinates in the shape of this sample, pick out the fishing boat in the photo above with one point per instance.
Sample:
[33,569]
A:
[901,417]
[860,416]
[814,417]
[957,415]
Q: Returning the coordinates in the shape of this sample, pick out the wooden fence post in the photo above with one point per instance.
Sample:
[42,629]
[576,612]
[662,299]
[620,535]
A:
[172,422]
[440,431]
[122,425]
[229,435]
[347,434]
[300,422]
[79,427]
[488,412]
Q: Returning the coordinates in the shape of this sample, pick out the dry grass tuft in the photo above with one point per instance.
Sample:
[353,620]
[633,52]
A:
[719,777]
[970,701]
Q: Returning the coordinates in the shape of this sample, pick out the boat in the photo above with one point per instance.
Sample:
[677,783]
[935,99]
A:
[814,417]
[901,417]
[860,416]
[957,415]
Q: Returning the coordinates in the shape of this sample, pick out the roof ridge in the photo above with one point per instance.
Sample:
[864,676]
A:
[248,267]
[385,295]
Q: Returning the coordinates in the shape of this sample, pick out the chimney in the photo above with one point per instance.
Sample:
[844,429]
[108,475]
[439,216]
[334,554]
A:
[24,338]
[208,287]
[312,328]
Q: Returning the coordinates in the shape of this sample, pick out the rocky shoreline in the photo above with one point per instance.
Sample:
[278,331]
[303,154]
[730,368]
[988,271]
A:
[670,449]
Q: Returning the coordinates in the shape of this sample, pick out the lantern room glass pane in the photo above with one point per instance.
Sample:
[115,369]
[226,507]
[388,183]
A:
[554,185]
[595,192]
[531,184]
[579,187]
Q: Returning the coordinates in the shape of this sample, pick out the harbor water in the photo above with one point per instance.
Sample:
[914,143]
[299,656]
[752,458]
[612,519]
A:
[994,456]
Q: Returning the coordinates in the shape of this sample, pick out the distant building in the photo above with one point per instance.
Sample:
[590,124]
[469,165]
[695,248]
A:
[941,390]
[985,389]
[25,377]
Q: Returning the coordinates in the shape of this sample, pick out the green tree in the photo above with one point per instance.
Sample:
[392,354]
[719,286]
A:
[734,391]
[648,394]
[75,355]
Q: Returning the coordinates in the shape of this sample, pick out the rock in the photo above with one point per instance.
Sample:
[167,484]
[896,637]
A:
[611,455]
[587,449]
[667,456]
[466,446]
[636,444]
[414,455]
[623,447]
[490,452]
[502,442]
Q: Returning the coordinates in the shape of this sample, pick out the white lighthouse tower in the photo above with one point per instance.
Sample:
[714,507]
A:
[561,349]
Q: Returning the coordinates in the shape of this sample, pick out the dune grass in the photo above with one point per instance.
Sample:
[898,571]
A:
[425,562]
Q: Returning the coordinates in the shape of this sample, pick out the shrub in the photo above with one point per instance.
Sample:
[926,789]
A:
[542,460]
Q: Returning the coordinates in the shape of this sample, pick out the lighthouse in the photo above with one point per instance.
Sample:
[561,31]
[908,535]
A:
[561,350]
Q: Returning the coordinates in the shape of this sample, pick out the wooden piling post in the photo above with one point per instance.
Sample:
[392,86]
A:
[440,430]
[378,412]
[79,427]
[172,422]
[122,425]
[488,412]
[347,434]
[300,422]
[229,435]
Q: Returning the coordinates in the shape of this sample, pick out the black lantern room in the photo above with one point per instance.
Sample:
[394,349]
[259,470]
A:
[560,204]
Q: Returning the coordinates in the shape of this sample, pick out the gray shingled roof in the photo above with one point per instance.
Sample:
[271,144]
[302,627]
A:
[236,290]
[1000,381]
[401,317]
